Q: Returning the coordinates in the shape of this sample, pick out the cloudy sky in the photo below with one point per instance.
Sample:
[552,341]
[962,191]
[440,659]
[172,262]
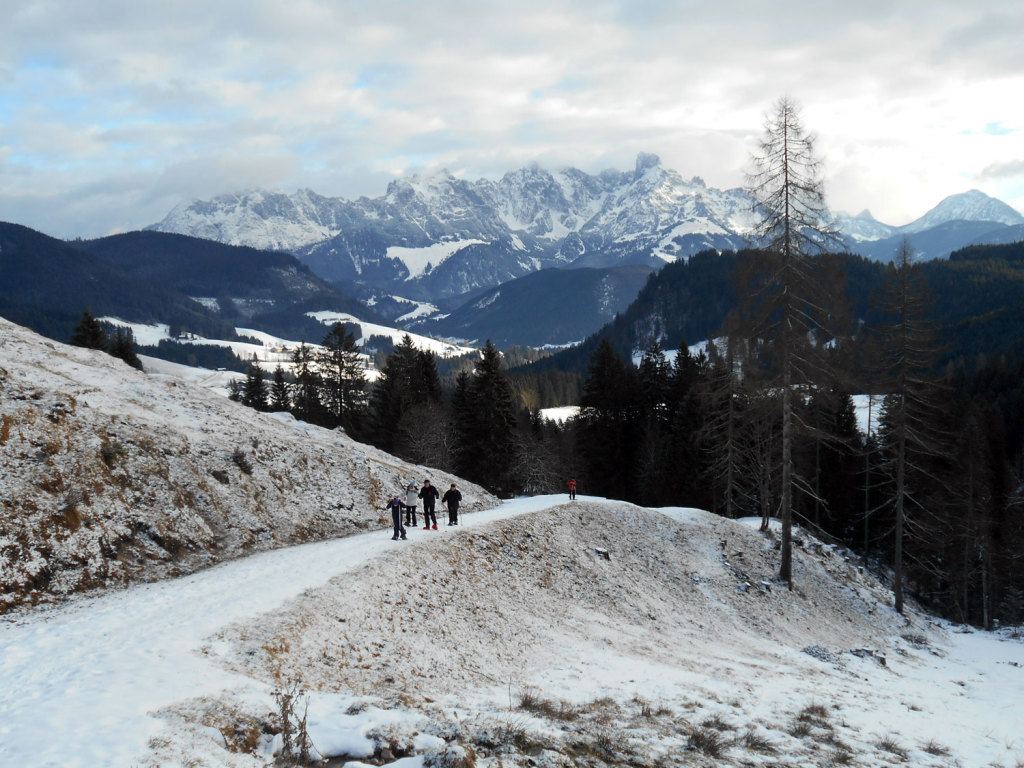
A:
[114,111]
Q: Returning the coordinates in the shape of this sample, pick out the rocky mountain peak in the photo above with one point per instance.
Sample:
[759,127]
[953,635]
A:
[644,162]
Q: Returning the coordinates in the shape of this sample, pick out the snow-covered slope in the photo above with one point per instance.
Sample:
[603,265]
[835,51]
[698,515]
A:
[260,219]
[863,227]
[109,475]
[540,633]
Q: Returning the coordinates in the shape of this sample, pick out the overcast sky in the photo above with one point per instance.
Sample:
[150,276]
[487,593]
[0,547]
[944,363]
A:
[114,111]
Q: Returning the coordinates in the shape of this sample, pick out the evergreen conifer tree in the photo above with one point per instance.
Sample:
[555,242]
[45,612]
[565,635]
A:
[122,346]
[306,400]
[490,448]
[89,332]
[254,389]
[342,377]
[406,402]
[912,413]
[280,398]
[608,425]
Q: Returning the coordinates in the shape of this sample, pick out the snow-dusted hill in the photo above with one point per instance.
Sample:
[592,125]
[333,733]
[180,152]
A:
[540,633]
[110,476]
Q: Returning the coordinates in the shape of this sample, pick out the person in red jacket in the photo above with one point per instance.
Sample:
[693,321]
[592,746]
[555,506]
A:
[571,482]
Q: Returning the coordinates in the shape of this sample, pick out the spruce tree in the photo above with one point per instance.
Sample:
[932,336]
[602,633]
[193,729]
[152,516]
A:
[122,346]
[609,425]
[343,379]
[687,480]
[492,421]
[254,389]
[462,425]
[912,411]
[654,470]
[280,398]
[89,332]
[406,405]
[307,403]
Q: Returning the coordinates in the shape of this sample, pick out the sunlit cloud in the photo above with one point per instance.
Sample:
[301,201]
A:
[113,111]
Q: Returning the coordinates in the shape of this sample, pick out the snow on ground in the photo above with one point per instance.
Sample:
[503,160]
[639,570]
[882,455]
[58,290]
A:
[271,350]
[422,310]
[868,410]
[627,630]
[560,414]
[441,348]
[218,381]
[418,260]
[95,669]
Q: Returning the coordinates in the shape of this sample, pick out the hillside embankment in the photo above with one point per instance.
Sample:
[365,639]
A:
[110,476]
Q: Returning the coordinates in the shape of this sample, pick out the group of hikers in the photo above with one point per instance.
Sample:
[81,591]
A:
[429,494]
[451,499]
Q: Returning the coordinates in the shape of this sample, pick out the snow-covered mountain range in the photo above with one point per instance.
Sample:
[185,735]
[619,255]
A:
[436,236]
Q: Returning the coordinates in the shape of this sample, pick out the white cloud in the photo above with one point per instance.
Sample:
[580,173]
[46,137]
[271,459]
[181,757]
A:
[911,101]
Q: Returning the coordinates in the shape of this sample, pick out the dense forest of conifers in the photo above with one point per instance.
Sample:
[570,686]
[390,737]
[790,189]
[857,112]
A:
[933,492]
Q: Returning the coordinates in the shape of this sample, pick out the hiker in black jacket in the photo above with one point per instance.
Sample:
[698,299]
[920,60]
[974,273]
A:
[429,495]
[451,498]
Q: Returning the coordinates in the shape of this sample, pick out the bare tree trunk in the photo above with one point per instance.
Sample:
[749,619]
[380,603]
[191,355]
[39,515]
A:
[897,567]
[786,555]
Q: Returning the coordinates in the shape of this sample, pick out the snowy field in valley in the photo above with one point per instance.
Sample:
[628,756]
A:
[643,625]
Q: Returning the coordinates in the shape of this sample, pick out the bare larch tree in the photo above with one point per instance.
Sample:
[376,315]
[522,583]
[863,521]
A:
[787,299]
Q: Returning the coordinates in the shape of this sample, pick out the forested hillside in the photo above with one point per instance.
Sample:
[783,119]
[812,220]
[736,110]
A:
[48,282]
[977,303]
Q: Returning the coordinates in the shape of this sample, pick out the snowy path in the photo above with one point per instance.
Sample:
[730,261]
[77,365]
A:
[77,683]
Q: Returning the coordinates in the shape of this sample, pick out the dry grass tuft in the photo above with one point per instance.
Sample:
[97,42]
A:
[707,741]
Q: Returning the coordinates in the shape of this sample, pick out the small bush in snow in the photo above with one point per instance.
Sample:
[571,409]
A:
[111,452]
[755,742]
[531,701]
[708,741]
[452,756]
[810,717]
[505,735]
[934,748]
[293,709]
[839,757]
[717,723]
[816,714]
[800,729]
[916,640]
[394,739]
[893,747]
[242,461]
[644,705]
